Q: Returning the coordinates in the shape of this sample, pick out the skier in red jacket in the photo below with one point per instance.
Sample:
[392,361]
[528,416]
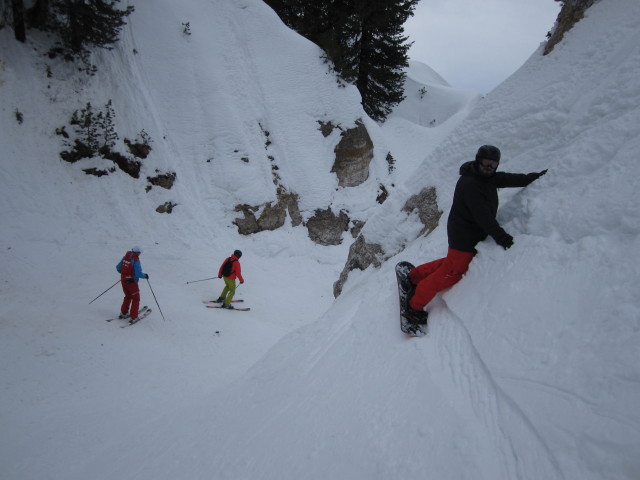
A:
[130,271]
[229,271]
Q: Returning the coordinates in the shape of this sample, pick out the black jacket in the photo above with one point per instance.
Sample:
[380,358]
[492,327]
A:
[475,205]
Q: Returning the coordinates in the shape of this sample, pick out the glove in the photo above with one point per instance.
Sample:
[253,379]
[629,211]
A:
[505,241]
[241,283]
[146,275]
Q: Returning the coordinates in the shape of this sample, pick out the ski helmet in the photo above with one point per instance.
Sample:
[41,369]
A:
[489,152]
[136,249]
[237,253]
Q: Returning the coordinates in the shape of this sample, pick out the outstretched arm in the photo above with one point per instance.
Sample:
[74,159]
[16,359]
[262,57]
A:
[511,180]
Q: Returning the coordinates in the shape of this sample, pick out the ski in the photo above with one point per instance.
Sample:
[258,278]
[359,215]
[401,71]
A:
[231,309]
[232,301]
[142,315]
[127,317]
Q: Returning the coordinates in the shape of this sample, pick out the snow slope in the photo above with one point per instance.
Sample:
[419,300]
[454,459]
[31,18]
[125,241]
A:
[530,367]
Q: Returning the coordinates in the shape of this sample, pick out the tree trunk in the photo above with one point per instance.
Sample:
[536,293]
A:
[19,31]
[76,12]
[38,14]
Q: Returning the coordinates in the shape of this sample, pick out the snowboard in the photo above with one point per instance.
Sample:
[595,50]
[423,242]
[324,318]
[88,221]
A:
[405,290]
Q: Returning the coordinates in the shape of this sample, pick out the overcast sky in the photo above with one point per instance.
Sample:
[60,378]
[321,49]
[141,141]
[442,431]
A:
[475,45]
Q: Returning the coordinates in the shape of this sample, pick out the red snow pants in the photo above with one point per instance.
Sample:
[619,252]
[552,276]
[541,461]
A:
[131,298]
[433,277]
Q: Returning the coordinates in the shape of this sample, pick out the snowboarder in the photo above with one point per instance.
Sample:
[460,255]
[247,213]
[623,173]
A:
[472,218]
[130,271]
[229,271]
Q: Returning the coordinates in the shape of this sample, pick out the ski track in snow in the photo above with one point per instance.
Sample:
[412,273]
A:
[451,352]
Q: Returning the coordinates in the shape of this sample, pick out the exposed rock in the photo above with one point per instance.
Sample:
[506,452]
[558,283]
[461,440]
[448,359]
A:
[140,150]
[326,228]
[80,151]
[353,156]
[426,203]
[62,132]
[357,227]
[166,207]
[361,256]
[290,200]
[272,216]
[164,180]
[95,171]
[571,13]
[127,165]
[382,194]
[249,223]
[326,128]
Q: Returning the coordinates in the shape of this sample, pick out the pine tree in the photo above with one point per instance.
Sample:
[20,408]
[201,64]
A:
[86,127]
[364,41]
[380,53]
[81,24]
[89,23]
[106,122]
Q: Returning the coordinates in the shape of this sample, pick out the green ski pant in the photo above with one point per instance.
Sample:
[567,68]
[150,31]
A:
[229,290]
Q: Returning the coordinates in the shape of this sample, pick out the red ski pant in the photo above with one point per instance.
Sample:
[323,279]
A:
[433,277]
[131,298]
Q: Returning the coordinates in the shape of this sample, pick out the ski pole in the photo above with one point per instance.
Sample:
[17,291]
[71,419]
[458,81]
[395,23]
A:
[154,297]
[194,281]
[103,292]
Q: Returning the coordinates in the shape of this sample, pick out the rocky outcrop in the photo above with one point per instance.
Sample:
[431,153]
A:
[354,153]
[571,13]
[326,128]
[166,207]
[425,204]
[164,180]
[361,256]
[127,165]
[326,228]
[271,216]
[138,149]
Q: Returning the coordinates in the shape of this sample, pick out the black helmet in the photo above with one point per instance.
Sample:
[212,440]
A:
[489,152]
[237,253]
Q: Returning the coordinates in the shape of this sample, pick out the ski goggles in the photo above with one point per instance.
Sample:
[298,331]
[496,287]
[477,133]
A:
[486,163]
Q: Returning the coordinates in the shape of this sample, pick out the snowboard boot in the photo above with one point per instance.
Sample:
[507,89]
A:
[416,317]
